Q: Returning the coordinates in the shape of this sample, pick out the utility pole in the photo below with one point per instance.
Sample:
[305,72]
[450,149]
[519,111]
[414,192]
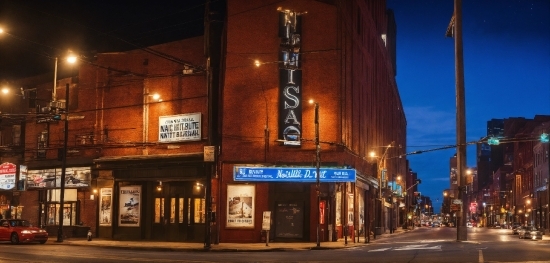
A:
[455,30]
[214,17]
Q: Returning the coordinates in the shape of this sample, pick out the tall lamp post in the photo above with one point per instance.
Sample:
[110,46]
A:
[381,170]
[71,59]
[317,170]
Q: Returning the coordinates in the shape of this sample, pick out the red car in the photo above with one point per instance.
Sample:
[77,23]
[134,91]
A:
[17,230]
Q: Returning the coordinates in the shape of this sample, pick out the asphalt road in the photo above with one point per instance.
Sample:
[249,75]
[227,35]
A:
[420,245]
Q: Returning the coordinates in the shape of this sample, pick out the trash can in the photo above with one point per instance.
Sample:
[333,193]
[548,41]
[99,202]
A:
[378,230]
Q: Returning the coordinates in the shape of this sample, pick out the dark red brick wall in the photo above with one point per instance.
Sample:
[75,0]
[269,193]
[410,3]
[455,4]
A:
[345,68]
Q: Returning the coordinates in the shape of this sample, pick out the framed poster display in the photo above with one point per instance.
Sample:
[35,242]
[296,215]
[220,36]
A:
[240,206]
[106,199]
[129,205]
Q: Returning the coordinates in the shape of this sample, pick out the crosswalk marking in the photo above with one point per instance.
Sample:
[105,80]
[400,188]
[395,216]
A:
[409,247]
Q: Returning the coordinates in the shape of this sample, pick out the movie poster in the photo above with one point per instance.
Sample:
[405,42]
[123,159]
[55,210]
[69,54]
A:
[130,198]
[240,206]
[106,199]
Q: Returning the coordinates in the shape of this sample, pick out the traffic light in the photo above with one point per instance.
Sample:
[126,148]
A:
[493,141]
[56,117]
[544,138]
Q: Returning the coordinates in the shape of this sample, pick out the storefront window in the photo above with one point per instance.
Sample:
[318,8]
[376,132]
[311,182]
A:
[16,212]
[159,209]
[173,210]
[181,210]
[199,210]
[69,214]
[69,217]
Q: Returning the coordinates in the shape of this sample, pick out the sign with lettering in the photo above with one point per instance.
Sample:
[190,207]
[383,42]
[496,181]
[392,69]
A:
[290,78]
[7,176]
[294,174]
[177,128]
[266,221]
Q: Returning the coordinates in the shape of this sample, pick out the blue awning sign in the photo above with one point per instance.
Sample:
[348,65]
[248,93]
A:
[292,174]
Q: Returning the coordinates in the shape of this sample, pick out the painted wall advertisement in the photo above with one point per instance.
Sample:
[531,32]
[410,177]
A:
[106,199]
[75,177]
[7,176]
[129,206]
[240,206]
[177,128]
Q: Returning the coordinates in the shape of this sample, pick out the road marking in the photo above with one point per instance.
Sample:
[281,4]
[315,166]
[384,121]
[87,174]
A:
[480,260]
[380,249]
[416,247]
[408,247]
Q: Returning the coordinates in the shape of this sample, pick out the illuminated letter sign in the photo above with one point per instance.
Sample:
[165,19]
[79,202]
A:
[290,78]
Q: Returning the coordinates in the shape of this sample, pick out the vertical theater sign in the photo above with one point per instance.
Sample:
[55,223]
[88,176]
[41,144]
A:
[290,78]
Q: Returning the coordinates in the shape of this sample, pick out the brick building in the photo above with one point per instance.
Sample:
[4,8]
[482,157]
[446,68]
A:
[136,166]
[341,54]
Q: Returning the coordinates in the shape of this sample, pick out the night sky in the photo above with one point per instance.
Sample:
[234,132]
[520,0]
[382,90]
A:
[41,30]
[506,58]
[507,74]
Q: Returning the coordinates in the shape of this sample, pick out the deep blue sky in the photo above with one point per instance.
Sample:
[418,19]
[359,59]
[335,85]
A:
[507,74]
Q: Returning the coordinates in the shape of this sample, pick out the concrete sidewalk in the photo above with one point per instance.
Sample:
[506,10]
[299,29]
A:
[222,247]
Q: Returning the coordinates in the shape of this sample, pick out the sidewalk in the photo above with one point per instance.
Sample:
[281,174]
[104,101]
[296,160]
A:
[222,247]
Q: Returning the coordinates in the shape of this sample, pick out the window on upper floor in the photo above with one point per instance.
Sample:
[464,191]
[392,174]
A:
[42,140]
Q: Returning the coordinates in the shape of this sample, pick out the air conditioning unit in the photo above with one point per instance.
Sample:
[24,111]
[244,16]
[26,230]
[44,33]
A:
[187,70]
[46,109]
[59,104]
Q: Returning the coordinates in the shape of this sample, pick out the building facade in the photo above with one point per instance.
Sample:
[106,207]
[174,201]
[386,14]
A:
[341,55]
[177,142]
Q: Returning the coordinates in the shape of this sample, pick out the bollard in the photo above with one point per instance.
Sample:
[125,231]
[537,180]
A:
[90,235]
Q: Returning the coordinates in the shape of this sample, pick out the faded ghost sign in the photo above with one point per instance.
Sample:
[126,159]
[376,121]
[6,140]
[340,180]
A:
[290,78]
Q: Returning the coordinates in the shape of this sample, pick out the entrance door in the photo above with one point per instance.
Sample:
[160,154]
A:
[178,213]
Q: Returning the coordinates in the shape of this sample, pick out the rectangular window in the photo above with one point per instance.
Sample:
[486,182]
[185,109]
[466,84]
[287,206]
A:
[172,210]
[199,207]
[181,211]
[16,130]
[189,211]
[69,214]
[159,209]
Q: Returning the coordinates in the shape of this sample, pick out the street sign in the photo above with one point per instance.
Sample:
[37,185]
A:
[455,207]
[457,201]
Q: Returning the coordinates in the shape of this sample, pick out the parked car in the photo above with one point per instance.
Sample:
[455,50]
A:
[18,230]
[436,224]
[530,232]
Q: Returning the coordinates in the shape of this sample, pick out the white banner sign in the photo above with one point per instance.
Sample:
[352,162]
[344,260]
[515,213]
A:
[177,128]
[7,176]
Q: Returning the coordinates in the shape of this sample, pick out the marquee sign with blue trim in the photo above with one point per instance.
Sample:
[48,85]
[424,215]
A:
[292,174]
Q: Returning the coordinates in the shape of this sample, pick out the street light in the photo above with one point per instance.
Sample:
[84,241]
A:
[317,168]
[381,165]
[70,59]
